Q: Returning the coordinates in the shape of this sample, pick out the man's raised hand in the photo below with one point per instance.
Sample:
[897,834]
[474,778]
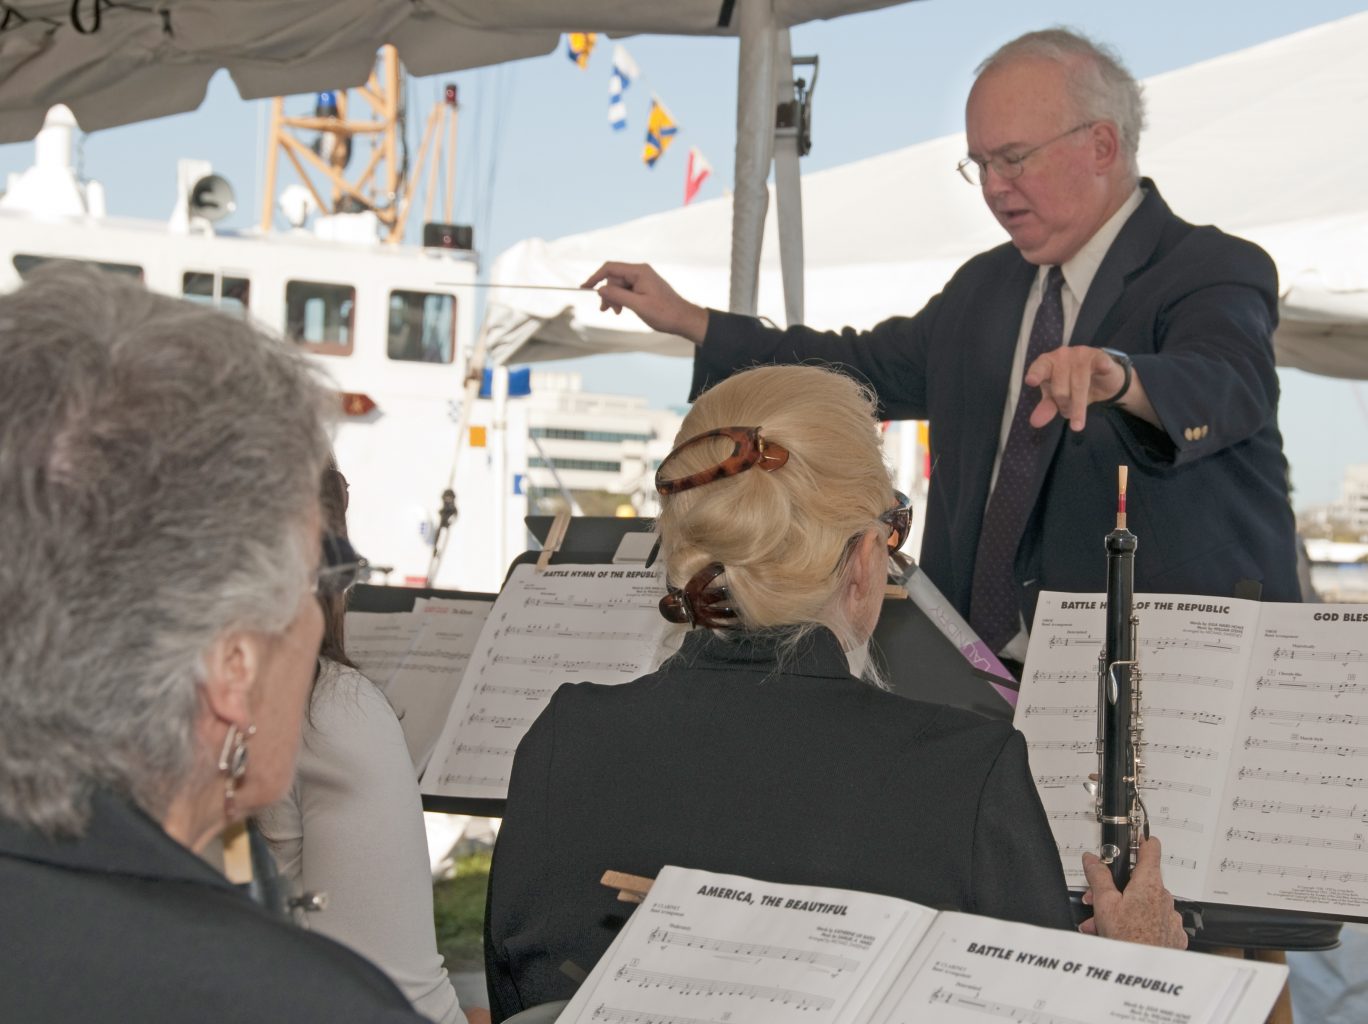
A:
[636,286]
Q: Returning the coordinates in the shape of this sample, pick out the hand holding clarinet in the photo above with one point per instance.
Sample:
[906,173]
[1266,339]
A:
[1126,888]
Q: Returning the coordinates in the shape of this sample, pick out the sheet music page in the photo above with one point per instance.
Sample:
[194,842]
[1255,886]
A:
[1292,828]
[706,948]
[425,682]
[378,642]
[976,969]
[569,623]
[1193,656]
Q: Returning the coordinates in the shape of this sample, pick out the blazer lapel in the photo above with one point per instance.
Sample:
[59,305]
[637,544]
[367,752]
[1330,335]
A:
[1133,249]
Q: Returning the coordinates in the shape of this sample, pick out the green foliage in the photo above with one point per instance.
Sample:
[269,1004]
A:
[458,906]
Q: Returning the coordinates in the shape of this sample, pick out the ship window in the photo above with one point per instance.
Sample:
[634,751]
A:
[24,263]
[422,327]
[319,316]
[234,292]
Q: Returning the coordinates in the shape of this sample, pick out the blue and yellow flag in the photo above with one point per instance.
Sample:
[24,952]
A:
[660,132]
[578,46]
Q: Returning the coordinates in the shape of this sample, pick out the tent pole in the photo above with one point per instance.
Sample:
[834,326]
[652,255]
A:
[788,189]
[754,146]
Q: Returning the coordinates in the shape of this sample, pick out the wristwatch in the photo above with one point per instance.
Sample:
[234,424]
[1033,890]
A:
[1123,361]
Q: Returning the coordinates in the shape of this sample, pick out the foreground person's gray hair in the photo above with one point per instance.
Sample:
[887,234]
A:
[159,467]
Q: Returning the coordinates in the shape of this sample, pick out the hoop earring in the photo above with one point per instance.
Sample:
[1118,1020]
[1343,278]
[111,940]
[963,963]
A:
[232,764]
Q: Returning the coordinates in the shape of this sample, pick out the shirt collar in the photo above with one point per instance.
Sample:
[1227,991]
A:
[1082,268]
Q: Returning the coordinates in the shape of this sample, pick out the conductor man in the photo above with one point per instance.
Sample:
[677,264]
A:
[1108,331]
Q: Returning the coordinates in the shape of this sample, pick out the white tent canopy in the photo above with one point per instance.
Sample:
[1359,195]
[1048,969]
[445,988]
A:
[116,62]
[1263,142]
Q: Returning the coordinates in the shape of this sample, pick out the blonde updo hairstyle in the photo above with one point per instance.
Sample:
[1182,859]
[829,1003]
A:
[781,535]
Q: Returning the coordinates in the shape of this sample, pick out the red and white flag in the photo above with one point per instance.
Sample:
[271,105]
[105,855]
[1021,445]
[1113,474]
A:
[695,173]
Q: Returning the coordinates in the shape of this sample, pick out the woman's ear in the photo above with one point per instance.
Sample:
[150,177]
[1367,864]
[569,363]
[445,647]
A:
[869,567]
[231,666]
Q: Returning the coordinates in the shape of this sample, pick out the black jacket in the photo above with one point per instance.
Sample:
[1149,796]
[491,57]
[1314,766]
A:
[726,761]
[125,924]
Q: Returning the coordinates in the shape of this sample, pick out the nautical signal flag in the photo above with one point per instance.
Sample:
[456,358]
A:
[660,132]
[578,46]
[695,173]
[624,71]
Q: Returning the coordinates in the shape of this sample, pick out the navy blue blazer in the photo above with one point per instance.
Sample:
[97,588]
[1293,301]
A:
[1193,307]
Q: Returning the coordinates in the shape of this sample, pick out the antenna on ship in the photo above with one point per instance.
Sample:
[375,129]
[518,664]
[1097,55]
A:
[384,186]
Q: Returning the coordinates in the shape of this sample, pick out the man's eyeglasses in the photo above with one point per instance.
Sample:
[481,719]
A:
[750,449]
[1008,165]
[341,567]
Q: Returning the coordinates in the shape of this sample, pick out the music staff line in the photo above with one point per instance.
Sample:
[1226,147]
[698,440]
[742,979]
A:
[1180,678]
[1090,711]
[1288,839]
[1315,686]
[1327,718]
[687,986]
[1359,811]
[831,961]
[1288,871]
[1305,778]
[615,1015]
[1306,747]
[992,1008]
[1341,657]
[1154,643]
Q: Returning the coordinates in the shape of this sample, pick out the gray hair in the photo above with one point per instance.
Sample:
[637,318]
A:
[1099,85]
[159,466]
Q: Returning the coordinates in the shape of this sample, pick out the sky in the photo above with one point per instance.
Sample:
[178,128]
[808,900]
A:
[536,155]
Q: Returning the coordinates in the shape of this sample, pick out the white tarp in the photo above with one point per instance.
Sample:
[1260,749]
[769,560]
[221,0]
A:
[112,64]
[1266,142]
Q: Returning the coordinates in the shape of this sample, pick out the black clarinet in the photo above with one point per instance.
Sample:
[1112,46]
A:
[1120,809]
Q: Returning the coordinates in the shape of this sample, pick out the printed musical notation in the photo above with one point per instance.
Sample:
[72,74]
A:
[1355,811]
[1156,644]
[512,691]
[1006,1011]
[1276,682]
[1338,657]
[1293,715]
[707,948]
[1287,839]
[1090,711]
[614,1015]
[1248,709]
[759,951]
[1305,778]
[1306,747]
[1188,679]
[1176,786]
[482,717]
[481,781]
[558,629]
[1076,746]
[684,985]
[1164,822]
[1065,677]
[1293,871]
[568,624]
[1187,751]
[1093,642]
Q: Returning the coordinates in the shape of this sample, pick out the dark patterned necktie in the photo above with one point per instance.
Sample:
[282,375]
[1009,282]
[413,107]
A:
[995,605]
